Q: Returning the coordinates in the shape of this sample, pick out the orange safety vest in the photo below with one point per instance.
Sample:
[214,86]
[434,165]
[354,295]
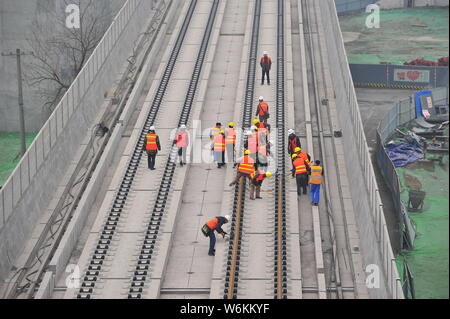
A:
[269,60]
[304,156]
[151,142]
[316,175]
[231,136]
[300,167]
[253,144]
[219,143]
[215,131]
[263,108]
[247,166]
[182,139]
[212,224]
[261,176]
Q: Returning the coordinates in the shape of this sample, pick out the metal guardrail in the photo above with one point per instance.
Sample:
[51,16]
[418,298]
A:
[22,176]
[358,154]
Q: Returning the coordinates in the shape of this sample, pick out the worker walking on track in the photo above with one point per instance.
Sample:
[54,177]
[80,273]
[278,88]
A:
[305,156]
[257,178]
[151,146]
[293,142]
[300,171]
[182,142]
[262,110]
[266,66]
[246,166]
[219,149]
[230,142]
[212,225]
[315,180]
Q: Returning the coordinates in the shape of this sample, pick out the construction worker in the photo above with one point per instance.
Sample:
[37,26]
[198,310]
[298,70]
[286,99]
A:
[257,178]
[266,66]
[230,142]
[262,110]
[301,173]
[263,145]
[215,130]
[315,180]
[252,143]
[212,225]
[151,146]
[246,166]
[219,149]
[182,142]
[293,142]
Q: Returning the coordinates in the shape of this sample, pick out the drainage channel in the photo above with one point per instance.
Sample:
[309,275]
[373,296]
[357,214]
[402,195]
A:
[143,263]
[109,228]
[233,258]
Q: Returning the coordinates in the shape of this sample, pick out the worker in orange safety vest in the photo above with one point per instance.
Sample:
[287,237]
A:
[182,142]
[151,146]
[230,142]
[219,149]
[215,224]
[257,178]
[262,110]
[315,180]
[246,166]
[266,66]
[300,172]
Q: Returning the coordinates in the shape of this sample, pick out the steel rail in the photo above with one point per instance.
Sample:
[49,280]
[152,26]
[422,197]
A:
[70,205]
[109,228]
[233,257]
[280,262]
[143,263]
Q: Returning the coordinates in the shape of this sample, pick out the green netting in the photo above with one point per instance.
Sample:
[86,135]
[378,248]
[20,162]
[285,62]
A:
[397,41]
[429,259]
[9,152]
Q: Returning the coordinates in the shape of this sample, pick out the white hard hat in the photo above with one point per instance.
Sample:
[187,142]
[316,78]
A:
[265,52]
[261,98]
[253,128]
[183,127]
[291,131]
[248,133]
[152,128]
[228,217]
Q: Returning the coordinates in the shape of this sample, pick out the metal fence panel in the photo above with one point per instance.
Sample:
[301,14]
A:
[344,6]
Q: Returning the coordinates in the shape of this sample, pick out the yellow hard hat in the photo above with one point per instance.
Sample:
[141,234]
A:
[268,174]
[231,124]
[297,149]
[247,152]
[294,155]
[255,121]
[223,132]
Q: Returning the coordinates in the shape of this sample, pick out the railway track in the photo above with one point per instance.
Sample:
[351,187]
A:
[334,272]
[279,226]
[122,198]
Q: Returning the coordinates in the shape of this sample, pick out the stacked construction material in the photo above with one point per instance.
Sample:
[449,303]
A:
[422,62]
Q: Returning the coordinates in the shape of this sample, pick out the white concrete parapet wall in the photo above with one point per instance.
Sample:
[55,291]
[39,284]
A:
[27,192]
[375,244]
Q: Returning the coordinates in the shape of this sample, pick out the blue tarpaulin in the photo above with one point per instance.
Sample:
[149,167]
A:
[403,154]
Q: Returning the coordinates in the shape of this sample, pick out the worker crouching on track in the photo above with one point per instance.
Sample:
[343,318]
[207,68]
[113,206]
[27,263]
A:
[230,142]
[245,168]
[315,180]
[300,171]
[212,225]
[219,149]
[151,146]
[257,178]
[182,142]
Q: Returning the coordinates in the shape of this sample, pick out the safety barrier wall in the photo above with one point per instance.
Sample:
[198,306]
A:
[399,76]
[27,192]
[344,6]
[402,113]
[374,238]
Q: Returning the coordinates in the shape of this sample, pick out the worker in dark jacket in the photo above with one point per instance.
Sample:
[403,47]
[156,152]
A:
[293,142]
[266,66]
[215,224]
[151,146]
